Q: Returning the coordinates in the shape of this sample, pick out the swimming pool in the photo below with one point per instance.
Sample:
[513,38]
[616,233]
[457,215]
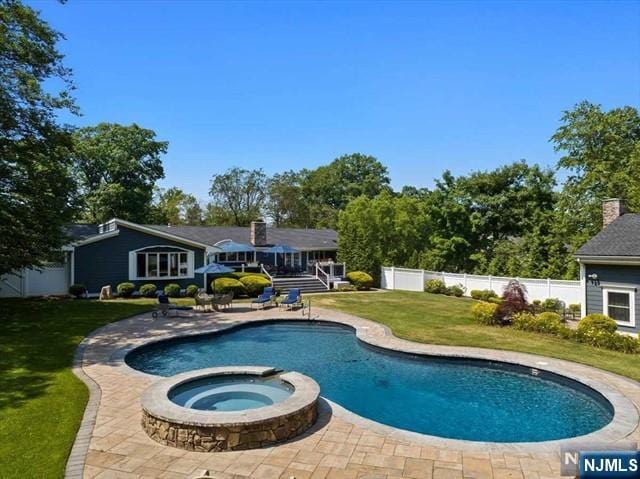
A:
[452,398]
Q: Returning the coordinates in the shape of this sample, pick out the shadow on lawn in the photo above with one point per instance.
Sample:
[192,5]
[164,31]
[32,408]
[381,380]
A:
[38,339]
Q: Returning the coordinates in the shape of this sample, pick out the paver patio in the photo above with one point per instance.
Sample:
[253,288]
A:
[340,446]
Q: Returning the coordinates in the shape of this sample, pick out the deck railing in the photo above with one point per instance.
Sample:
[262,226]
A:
[321,273]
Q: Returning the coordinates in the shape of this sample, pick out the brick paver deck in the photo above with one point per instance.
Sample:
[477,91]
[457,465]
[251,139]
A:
[340,446]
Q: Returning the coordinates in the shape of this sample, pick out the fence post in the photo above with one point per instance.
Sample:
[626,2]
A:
[490,283]
[393,277]
[548,287]
[423,278]
[465,282]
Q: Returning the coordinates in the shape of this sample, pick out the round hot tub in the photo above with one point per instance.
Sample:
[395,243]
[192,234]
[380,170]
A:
[229,408]
[231,393]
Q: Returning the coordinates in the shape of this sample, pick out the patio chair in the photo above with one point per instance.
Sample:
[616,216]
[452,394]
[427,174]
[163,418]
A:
[294,298]
[267,297]
[164,306]
[223,301]
[203,301]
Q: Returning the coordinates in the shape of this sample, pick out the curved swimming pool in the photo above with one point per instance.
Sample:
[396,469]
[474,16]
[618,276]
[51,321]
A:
[452,398]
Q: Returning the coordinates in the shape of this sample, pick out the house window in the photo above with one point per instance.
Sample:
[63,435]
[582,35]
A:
[239,257]
[619,305]
[161,262]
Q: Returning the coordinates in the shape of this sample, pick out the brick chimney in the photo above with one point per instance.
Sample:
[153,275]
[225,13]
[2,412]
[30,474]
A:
[612,208]
[258,233]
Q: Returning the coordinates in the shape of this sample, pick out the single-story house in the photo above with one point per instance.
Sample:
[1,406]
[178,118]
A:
[119,251]
[610,267]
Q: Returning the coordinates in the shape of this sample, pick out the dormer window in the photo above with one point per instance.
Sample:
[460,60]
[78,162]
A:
[160,262]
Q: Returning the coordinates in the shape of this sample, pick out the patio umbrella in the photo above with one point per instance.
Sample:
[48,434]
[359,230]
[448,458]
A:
[213,268]
[281,249]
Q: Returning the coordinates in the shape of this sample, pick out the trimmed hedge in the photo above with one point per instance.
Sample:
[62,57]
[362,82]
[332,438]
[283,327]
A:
[361,280]
[456,290]
[435,286]
[239,275]
[125,289]
[148,290]
[254,284]
[483,294]
[228,285]
[172,290]
[485,313]
[192,290]
[77,290]
[549,322]
[596,322]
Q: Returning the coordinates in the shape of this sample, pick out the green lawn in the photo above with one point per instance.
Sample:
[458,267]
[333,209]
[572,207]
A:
[438,319]
[41,400]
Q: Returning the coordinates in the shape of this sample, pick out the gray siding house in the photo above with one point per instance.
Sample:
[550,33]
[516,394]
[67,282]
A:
[119,251]
[610,267]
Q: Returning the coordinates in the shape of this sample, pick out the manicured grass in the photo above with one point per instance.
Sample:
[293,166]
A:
[437,319]
[41,400]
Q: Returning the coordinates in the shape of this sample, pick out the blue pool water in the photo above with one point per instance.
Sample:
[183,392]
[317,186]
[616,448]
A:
[473,400]
[230,393]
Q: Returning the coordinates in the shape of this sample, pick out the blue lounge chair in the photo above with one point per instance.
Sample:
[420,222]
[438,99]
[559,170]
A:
[293,298]
[265,298]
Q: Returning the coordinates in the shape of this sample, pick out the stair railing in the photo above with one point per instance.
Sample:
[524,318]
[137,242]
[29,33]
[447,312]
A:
[267,273]
[319,270]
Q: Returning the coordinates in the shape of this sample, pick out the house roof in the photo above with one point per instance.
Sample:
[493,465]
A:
[299,238]
[620,238]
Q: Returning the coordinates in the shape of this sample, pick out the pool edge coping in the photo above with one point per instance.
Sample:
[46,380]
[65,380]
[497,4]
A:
[625,421]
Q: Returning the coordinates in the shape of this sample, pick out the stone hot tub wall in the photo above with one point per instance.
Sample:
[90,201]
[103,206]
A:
[208,431]
[230,437]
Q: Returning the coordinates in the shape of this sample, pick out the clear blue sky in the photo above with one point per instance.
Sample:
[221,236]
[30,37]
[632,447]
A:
[423,86]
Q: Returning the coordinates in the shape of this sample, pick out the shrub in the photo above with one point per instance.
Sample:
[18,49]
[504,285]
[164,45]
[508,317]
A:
[485,313]
[553,304]
[575,309]
[523,321]
[77,290]
[596,322]
[125,289]
[255,284]
[548,322]
[514,300]
[148,290]
[239,275]
[601,338]
[435,286]
[192,290]
[483,294]
[172,290]
[361,280]
[228,285]
[456,290]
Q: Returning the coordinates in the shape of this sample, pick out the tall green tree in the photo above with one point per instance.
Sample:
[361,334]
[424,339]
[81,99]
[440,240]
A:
[175,207]
[472,215]
[329,188]
[36,185]
[601,151]
[238,197]
[286,205]
[117,168]
[385,230]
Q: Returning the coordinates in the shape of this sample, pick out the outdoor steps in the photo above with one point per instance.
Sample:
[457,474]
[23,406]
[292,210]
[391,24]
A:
[307,284]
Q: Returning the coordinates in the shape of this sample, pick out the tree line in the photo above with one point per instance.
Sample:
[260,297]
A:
[516,220]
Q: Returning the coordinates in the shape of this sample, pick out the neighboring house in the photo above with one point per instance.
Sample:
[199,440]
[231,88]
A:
[119,251]
[610,267]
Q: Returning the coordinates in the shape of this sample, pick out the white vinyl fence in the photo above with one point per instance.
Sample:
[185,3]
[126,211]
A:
[414,280]
[52,279]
